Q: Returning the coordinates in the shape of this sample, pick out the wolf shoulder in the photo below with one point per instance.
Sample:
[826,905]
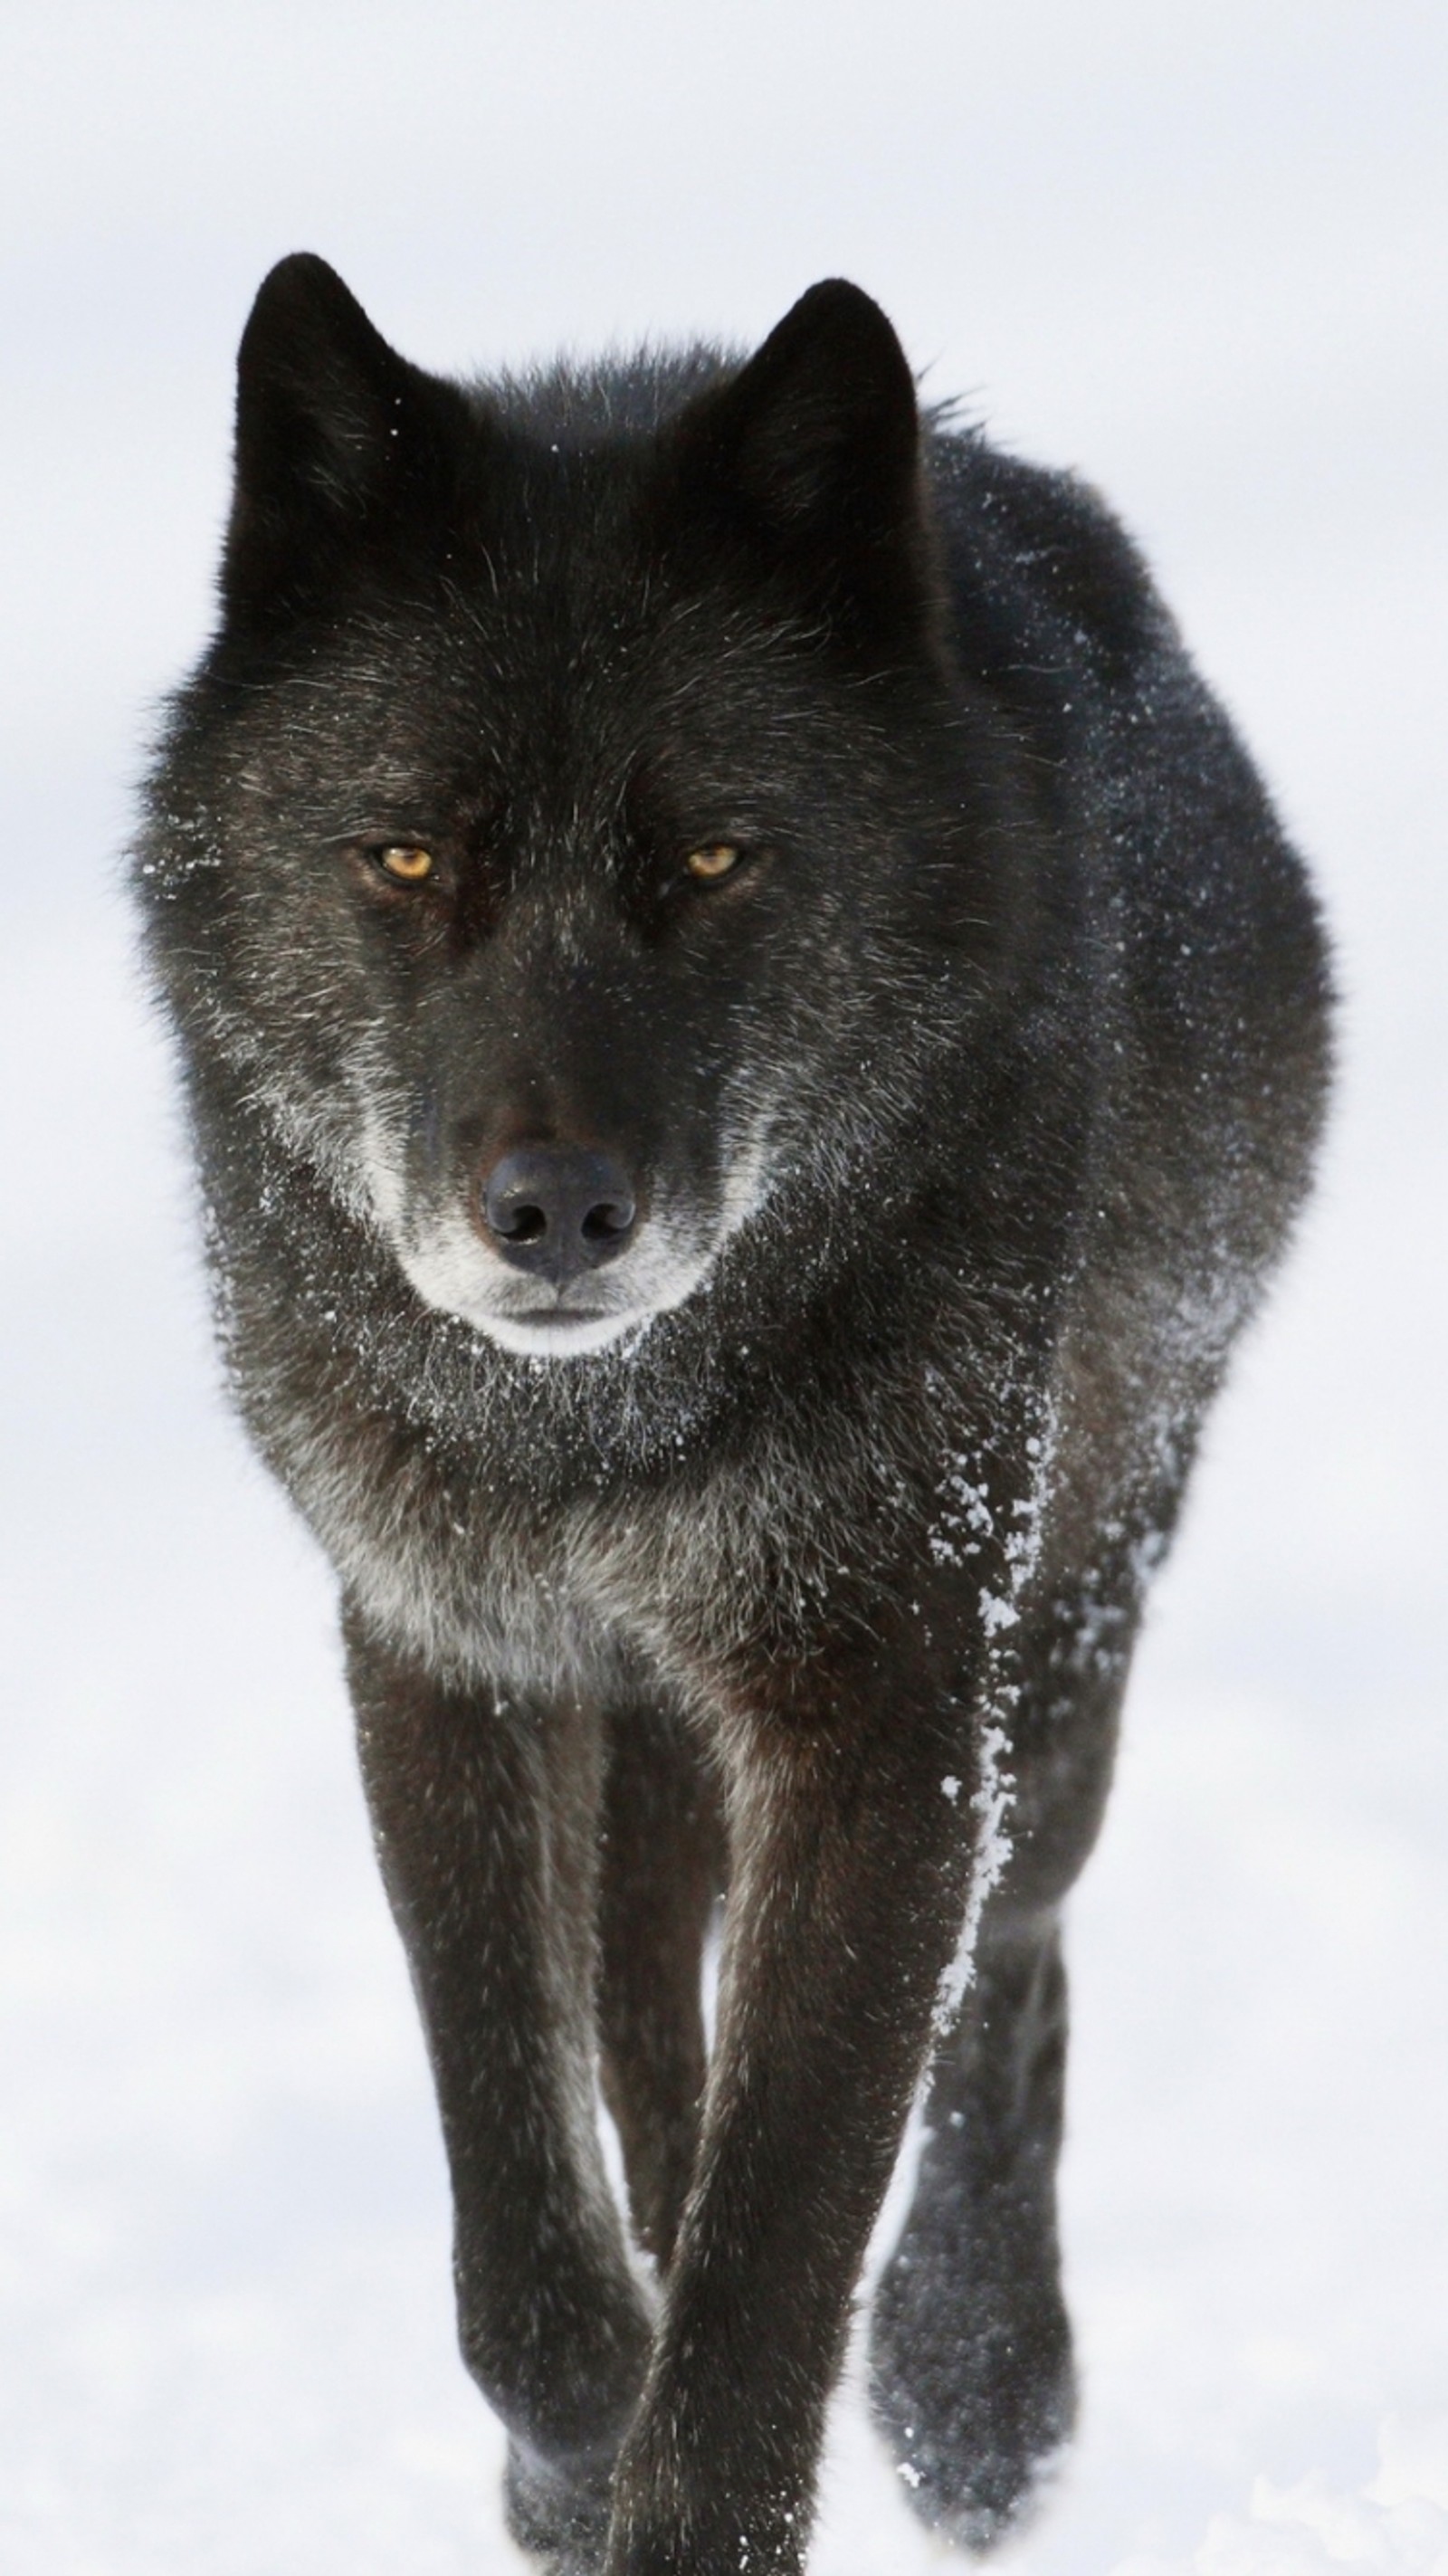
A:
[1210,967]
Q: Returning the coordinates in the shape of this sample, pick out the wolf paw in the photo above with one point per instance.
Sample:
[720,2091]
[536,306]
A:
[977,2418]
[560,2519]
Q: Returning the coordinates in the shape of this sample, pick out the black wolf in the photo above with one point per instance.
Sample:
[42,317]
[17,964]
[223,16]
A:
[751,1039]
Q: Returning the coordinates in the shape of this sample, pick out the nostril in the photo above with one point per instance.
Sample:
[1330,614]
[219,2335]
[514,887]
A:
[610,1218]
[521,1223]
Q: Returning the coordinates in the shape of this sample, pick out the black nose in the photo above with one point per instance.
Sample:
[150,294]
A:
[557,1210]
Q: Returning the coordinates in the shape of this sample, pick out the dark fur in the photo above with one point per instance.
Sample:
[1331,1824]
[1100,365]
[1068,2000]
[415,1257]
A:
[980,1098]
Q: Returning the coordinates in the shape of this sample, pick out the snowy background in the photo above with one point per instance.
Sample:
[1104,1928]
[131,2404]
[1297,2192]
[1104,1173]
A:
[1199,251]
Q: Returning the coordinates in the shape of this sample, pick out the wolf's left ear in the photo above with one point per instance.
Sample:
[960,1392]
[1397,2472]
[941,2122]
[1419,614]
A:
[814,450]
[334,434]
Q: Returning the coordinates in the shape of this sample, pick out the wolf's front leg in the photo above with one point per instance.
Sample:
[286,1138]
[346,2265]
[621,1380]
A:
[971,2369]
[485,1816]
[851,1865]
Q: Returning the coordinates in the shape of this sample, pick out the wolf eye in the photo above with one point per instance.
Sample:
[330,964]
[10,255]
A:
[717,859]
[405,864]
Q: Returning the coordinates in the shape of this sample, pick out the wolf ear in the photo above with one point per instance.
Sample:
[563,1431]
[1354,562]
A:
[334,433]
[813,450]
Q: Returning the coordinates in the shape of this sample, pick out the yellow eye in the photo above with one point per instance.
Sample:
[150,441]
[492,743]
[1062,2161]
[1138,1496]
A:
[713,862]
[404,864]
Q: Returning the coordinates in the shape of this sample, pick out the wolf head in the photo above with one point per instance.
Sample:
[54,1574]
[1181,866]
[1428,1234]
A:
[577,834]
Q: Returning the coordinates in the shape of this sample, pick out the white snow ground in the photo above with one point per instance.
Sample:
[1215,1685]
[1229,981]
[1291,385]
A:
[1199,252]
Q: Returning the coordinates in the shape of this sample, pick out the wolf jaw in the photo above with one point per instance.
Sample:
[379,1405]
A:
[440,1250]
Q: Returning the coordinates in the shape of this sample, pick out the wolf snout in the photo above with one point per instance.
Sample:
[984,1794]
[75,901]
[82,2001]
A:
[557,1211]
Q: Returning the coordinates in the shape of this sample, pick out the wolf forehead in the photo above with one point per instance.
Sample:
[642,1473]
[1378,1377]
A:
[686,502]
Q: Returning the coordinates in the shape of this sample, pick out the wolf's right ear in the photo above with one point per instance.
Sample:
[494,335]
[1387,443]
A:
[335,433]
